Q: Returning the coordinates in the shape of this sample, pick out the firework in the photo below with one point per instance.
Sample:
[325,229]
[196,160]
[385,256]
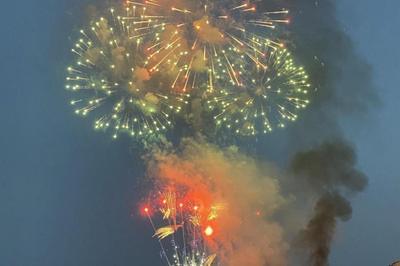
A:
[264,95]
[185,222]
[111,75]
[202,36]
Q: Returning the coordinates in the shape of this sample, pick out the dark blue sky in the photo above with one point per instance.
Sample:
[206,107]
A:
[372,236]
[66,192]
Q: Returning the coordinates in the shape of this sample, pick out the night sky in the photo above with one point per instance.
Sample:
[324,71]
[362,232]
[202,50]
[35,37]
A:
[68,195]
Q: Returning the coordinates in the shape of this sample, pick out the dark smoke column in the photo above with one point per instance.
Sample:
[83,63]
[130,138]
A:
[323,161]
[329,170]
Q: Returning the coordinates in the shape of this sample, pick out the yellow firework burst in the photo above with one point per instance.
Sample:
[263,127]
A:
[266,95]
[111,76]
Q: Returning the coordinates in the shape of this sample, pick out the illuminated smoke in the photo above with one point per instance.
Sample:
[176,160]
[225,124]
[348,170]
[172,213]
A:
[245,233]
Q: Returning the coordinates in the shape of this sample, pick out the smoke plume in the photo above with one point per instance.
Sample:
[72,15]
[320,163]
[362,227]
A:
[318,234]
[329,170]
[322,161]
[248,191]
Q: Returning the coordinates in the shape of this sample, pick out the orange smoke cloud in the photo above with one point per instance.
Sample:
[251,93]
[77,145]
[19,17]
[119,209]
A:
[243,233]
[141,74]
[208,33]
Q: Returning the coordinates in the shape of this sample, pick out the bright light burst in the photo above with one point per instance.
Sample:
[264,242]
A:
[182,225]
[265,95]
[137,67]
[111,75]
[201,36]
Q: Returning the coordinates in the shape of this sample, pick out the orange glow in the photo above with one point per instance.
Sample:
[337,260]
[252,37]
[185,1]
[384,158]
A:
[209,231]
